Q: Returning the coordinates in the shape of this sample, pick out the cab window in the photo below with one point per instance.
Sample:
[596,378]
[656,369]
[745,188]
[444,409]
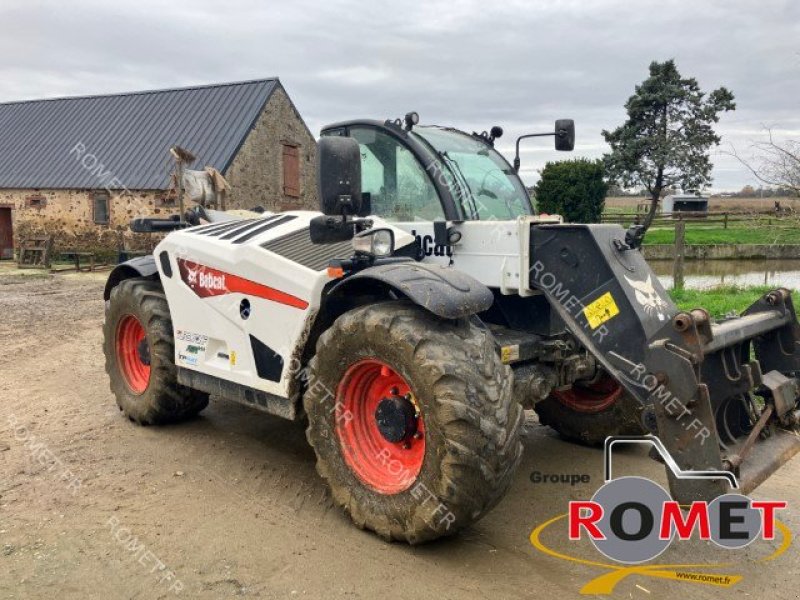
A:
[399,187]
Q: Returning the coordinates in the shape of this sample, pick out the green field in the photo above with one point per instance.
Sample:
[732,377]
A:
[719,301]
[735,234]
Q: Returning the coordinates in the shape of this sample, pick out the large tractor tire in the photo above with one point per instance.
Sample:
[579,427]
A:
[413,421]
[140,356]
[588,414]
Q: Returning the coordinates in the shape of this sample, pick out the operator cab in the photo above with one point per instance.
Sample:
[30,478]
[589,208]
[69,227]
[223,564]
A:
[431,173]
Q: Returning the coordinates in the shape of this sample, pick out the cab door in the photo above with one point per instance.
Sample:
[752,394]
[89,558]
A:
[400,189]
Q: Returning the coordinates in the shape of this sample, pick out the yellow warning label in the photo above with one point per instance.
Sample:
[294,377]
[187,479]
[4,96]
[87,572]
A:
[601,310]
[509,353]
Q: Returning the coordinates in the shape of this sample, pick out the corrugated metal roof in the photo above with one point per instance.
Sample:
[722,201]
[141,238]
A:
[84,142]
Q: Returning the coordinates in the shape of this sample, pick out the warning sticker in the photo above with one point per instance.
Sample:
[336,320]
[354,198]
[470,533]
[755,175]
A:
[509,353]
[601,310]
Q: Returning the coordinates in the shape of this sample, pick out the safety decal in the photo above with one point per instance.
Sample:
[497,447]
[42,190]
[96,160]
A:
[601,310]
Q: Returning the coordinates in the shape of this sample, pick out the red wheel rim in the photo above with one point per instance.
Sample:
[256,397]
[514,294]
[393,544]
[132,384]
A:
[130,336]
[384,466]
[591,398]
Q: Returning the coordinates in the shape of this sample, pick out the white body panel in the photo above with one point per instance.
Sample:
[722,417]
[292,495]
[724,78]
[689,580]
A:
[211,335]
[496,253]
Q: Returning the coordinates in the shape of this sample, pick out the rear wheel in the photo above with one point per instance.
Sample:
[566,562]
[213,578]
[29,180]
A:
[139,351]
[413,421]
[590,412]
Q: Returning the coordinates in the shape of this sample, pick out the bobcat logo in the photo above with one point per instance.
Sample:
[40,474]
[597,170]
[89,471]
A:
[648,297]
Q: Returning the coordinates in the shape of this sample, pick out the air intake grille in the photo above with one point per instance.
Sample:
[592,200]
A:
[298,248]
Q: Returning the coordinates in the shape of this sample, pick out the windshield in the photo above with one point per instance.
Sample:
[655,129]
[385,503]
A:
[486,185]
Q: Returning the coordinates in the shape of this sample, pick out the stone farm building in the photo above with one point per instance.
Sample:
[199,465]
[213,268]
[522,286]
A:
[81,168]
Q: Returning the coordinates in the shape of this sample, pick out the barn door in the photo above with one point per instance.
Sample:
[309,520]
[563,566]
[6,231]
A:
[6,234]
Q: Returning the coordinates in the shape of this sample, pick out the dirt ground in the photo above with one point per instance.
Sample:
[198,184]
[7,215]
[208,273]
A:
[91,505]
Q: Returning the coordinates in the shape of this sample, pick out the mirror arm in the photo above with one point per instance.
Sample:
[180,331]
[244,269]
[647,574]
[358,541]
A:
[530,135]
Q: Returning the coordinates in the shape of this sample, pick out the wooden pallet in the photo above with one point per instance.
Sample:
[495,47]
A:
[34,252]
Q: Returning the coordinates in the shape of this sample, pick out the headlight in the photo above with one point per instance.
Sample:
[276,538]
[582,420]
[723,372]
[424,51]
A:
[374,242]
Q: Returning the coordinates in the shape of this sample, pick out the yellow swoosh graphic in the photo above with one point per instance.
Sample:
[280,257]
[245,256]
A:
[605,584]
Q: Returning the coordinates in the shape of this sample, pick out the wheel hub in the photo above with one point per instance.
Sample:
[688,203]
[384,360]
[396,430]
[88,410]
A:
[381,428]
[396,417]
[143,351]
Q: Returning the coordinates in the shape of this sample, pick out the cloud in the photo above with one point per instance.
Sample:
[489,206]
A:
[461,62]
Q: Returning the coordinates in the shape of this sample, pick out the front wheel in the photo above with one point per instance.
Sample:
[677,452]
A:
[413,421]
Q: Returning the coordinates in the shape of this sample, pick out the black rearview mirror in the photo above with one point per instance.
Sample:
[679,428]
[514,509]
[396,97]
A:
[339,175]
[565,135]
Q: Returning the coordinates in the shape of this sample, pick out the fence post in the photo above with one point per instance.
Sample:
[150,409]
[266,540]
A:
[677,267]
[726,221]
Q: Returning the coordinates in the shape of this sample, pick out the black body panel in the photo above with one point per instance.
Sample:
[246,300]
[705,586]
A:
[141,266]
[269,364]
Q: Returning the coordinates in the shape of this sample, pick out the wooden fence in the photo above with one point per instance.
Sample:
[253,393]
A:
[764,219]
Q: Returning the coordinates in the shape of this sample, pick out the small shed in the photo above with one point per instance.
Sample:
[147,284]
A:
[675,203]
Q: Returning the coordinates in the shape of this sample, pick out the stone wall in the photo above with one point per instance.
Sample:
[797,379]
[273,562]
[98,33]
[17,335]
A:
[67,215]
[256,174]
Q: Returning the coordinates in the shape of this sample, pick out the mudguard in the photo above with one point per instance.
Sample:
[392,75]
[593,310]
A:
[442,290]
[141,266]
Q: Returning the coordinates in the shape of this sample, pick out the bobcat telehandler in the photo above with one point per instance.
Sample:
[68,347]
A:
[414,318]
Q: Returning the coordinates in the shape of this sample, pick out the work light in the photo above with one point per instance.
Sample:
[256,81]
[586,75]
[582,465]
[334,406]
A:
[374,242]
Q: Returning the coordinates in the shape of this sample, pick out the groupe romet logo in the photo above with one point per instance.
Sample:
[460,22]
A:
[632,520]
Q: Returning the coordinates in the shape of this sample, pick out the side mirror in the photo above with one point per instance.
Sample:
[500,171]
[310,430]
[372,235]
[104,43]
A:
[339,175]
[565,135]
[326,229]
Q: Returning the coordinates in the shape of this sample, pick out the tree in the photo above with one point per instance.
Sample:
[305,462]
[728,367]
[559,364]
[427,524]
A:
[747,191]
[666,138]
[574,189]
[775,163]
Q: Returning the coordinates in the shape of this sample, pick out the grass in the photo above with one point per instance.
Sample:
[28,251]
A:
[733,235]
[719,301]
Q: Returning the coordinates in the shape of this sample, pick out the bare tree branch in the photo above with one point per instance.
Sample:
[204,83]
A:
[774,163]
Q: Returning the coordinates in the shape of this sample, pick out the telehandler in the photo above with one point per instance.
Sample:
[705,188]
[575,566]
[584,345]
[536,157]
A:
[414,318]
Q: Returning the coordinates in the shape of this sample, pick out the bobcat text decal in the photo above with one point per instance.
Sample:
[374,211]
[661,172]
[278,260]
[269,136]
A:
[427,246]
[206,282]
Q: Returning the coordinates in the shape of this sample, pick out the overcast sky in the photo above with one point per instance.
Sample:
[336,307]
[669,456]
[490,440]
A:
[519,64]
